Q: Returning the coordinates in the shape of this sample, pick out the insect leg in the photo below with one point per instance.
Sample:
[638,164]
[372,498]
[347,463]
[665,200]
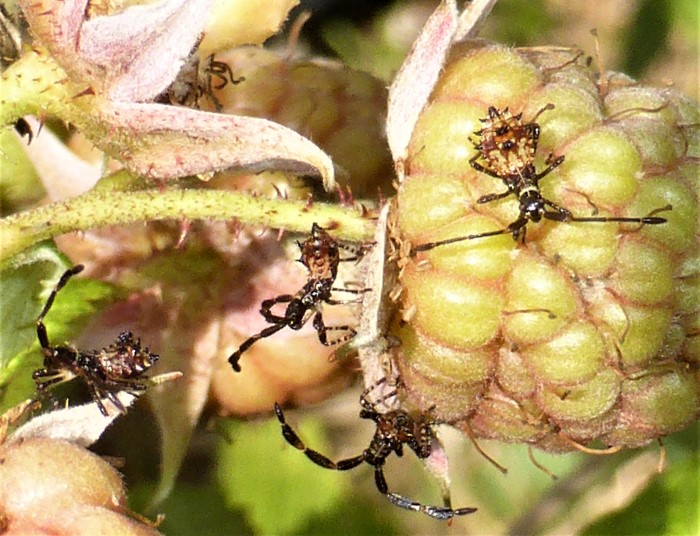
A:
[47,377]
[508,230]
[40,327]
[492,197]
[646,220]
[319,459]
[236,356]
[323,330]
[97,395]
[554,164]
[473,163]
[267,305]
[437,512]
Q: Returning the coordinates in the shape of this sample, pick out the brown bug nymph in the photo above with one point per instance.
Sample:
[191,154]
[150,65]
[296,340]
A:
[507,148]
[320,254]
[118,367]
[394,429]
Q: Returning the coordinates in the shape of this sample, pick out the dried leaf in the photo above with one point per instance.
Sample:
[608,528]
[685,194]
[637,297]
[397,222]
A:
[80,424]
[162,141]
[472,18]
[377,309]
[132,55]
[257,474]
[374,348]
[415,80]
[12,416]
[178,410]
[140,50]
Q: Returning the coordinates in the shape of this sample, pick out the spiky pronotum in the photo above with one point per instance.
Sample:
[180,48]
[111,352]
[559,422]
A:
[588,331]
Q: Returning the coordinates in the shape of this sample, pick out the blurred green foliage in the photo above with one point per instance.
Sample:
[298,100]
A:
[276,486]
[652,18]
[669,505]
[256,483]
[24,287]
[514,22]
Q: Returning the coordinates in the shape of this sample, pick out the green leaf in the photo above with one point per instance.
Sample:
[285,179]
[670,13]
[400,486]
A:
[646,36]
[22,284]
[686,19]
[25,284]
[188,344]
[198,508]
[669,505]
[279,488]
[514,21]
[360,515]
[683,507]
[192,509]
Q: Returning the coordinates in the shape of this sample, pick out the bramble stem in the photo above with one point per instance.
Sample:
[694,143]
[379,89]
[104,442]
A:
[108,206]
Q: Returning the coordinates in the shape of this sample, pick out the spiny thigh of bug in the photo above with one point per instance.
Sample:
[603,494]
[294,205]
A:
[49,376]
[99,394]
[267,305]
[369,402]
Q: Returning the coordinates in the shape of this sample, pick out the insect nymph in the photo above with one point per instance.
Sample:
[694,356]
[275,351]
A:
[507,148]
[196,81]
[320,254]
[106,372]
[394,429]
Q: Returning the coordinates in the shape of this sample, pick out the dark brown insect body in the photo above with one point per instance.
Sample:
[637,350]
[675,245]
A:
[507,148]
[320,254]
[24,129]
[196,81]
[395,429]
[118,367]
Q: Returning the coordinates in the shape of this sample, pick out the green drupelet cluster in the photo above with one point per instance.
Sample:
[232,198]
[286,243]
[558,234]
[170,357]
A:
[587,333]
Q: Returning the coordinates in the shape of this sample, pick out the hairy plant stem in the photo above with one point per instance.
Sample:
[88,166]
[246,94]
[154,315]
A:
[106,205]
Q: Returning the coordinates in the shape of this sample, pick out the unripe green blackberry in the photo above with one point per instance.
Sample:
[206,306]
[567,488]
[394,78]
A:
[52,486]
[340,109]
[588,330]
